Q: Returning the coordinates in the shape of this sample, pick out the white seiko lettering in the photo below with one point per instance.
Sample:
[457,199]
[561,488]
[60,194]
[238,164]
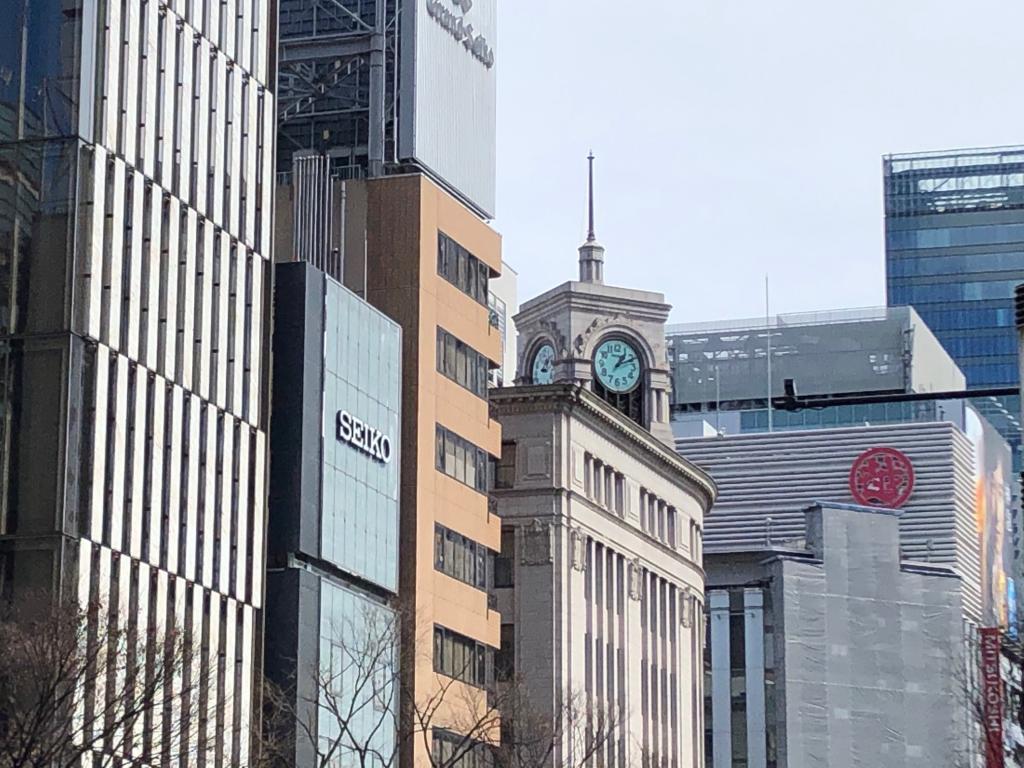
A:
[344,426]
[362,436]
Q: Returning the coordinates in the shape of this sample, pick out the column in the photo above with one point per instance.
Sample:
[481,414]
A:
[721,689]
[753,630]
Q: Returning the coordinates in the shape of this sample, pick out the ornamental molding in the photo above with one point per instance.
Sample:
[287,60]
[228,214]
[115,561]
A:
[635,579]
[686,609]
[596,324]
[575,399]
[552,329]
[579,549]
[537,543]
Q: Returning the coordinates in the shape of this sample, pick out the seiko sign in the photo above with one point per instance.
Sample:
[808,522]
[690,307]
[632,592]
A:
[462,30]
[363,437]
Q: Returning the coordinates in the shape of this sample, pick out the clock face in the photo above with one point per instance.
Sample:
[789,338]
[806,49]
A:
[617,365]
[544,365]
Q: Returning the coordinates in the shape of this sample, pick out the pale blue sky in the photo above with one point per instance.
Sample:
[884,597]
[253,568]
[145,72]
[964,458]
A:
[736,137]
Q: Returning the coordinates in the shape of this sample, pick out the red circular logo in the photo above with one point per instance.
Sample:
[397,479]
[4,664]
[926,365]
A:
[882,477]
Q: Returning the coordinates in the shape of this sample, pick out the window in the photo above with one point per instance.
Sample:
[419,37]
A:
[450,749]
[658,519]
[462,364]
[459,458]
[462,269]
[504,563]
[945,237]
[498,313]
[461,558]
[462,658]
[505,474]
[505,658]
[604,485]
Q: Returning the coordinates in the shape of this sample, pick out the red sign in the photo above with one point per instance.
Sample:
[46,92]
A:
[992,696]
[882,477]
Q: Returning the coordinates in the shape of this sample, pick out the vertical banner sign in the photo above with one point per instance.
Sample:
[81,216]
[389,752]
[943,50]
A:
[992,696]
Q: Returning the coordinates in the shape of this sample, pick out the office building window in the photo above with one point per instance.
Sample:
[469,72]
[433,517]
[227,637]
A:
[462,658]
[462,558]
[498,313]
[462,269]
[460,459]
[451,749]
[462,364]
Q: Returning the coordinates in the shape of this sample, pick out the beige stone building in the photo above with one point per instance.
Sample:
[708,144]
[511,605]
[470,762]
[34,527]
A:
[600,586]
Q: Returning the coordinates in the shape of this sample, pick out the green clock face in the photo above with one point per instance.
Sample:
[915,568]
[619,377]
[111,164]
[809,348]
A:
[617,365]
[544,365]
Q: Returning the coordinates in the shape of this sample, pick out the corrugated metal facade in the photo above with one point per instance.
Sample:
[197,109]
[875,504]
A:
[452,124]
[766,481]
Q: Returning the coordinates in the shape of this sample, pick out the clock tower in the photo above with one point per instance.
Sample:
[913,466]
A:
[610,340]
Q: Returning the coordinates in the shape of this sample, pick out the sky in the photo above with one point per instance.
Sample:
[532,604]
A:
[736,138]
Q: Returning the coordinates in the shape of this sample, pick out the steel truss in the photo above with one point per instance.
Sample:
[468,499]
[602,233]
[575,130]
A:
[337,86]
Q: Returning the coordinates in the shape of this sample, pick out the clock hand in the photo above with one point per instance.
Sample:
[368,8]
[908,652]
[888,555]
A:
[624,362]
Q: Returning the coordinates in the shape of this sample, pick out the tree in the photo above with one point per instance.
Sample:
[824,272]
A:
[345,712]
[74,681]
[578,733]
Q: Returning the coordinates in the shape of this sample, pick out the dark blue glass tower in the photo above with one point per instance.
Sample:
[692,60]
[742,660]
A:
[954,226]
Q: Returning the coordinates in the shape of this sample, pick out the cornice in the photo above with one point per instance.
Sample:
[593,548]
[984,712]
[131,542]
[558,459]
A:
[601,299]
[568,397]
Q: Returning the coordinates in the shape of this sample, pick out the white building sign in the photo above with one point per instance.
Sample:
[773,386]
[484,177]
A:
[461,29]
[448,120]
[363,437]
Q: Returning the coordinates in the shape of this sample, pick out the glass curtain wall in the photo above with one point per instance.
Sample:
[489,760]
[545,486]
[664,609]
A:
[955,252]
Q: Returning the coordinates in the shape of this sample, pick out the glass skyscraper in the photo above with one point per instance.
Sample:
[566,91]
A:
[954,225]
[136,171]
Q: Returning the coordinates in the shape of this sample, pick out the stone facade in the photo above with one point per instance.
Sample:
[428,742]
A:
[599,583]
[576,317]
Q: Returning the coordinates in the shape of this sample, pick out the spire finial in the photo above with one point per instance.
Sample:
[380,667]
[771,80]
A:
[591,237]
[591,253]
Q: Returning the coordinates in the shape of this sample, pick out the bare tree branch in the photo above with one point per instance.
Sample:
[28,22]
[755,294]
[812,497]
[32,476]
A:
[77,681]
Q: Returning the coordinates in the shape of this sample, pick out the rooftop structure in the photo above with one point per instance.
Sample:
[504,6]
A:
[724,365]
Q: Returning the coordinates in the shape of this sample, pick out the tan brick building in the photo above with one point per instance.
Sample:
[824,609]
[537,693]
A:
[428,262]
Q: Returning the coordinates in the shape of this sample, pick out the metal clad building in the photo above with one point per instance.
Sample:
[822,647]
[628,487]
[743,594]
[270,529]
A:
[825,353]
[767,480]
[449,80]
[379,86]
